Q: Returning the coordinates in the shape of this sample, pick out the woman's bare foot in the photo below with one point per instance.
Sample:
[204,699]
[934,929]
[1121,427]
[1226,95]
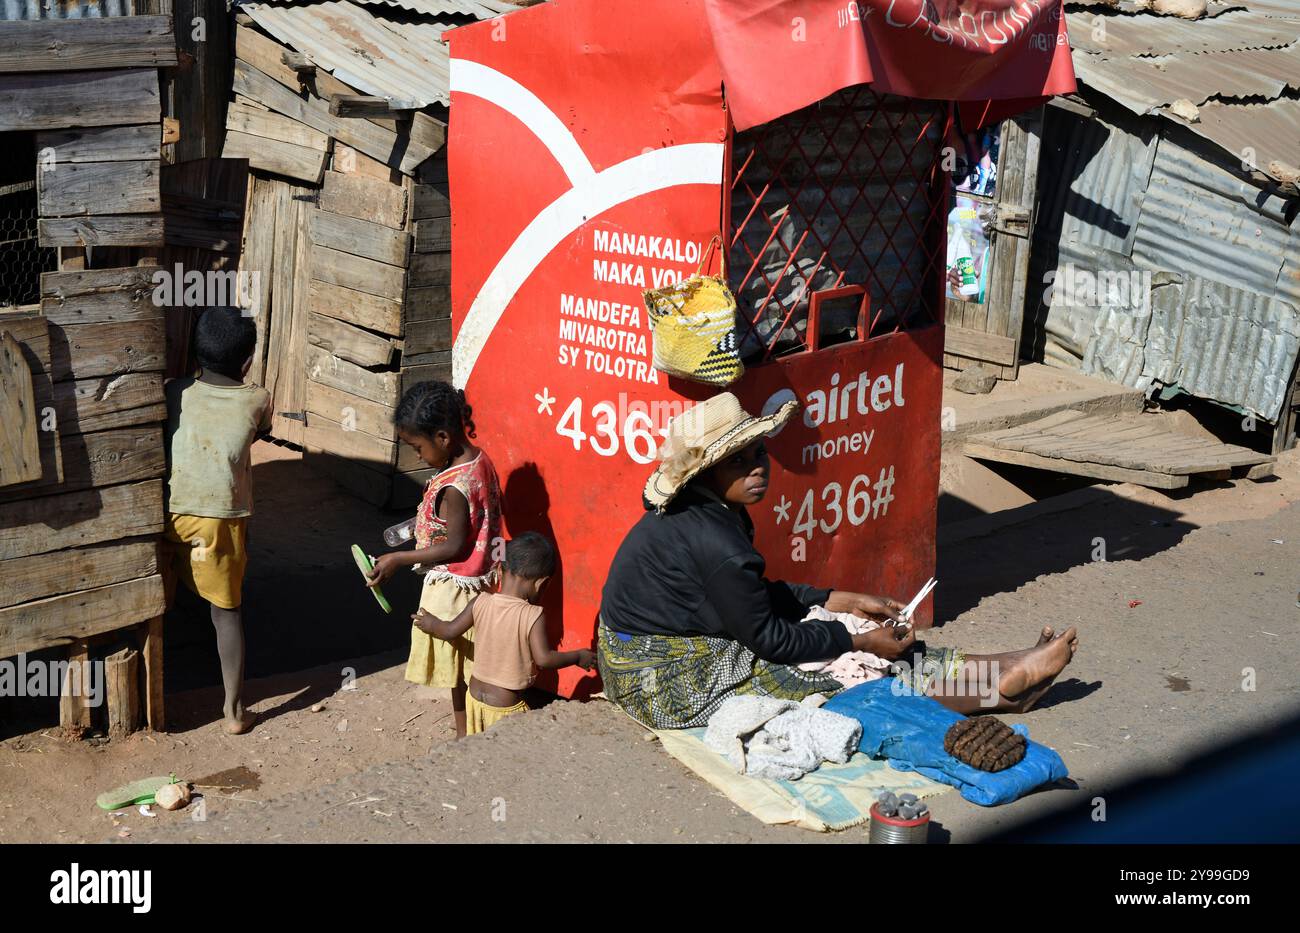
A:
[239,723]
[1026,677]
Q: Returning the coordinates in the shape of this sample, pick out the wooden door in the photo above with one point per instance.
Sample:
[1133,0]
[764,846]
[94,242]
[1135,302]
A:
[985,327]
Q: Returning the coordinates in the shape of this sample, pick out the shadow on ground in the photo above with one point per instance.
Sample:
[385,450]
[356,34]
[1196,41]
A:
[1020,545]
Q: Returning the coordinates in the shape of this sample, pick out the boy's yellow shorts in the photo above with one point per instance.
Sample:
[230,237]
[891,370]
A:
[479,717]
[208,555]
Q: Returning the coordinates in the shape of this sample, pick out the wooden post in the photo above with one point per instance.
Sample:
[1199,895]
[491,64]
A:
[74,714]
[153,673]
[122,688]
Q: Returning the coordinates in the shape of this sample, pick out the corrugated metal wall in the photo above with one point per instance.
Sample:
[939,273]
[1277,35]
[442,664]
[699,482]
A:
[1214,306]
[11,10]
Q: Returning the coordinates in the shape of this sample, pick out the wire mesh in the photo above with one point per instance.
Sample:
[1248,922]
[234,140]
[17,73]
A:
[22,258]
[846,192]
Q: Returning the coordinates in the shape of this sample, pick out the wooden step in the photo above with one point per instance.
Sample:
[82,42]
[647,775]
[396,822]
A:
[1120,448]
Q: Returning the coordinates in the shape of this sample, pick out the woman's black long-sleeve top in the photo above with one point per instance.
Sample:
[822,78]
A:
[693,570]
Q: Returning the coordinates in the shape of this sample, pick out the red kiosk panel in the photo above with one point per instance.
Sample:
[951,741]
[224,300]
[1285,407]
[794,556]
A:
[590,159]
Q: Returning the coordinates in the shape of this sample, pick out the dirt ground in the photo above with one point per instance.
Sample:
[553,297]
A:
[1196,587]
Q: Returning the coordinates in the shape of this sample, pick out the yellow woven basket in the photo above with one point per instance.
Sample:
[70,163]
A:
[694,329]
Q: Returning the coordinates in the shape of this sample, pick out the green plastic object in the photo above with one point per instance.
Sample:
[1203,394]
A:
[133,794]
[365,565]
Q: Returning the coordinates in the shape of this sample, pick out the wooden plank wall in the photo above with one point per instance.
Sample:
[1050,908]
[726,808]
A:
[198,93]
[203,202]
[426,352]
[78,547]
[90,90]
[276,258]
[99,186]
[107,354]
[353,261]
[361,245]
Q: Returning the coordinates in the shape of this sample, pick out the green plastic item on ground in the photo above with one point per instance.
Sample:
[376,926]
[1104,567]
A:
[133,794]
[365,565]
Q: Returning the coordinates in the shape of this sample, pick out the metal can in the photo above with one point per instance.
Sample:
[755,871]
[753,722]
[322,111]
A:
[890,829]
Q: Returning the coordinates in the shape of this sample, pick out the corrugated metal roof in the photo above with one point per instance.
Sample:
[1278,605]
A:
[1212,7]
[476,9]
[1146,33]
[1271,130]
[1145,84]
[386,48]
[1286,9]
[14,10]
[361,48]
[1240,67]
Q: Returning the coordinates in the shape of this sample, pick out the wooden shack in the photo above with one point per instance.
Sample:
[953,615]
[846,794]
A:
[82,461]
[340,110]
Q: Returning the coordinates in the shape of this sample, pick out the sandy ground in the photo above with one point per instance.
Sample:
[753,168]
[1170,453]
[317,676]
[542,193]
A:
[1152,685]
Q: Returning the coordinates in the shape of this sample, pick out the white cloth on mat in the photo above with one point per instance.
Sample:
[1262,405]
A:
[852,667]
[780,739]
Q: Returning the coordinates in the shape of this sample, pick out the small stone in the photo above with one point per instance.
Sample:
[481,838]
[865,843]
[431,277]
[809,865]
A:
[906,812]
[342,726]
[975,380]
[1186,109]
[908,798]
[317,707]
[1283,172]
[172,796]
[1186,9]
[887,810]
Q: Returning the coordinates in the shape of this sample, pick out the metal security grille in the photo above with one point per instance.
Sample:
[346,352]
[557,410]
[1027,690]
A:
[847,192]
[22,259]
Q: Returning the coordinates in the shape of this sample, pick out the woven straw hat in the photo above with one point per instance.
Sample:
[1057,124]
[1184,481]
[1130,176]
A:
[705,435]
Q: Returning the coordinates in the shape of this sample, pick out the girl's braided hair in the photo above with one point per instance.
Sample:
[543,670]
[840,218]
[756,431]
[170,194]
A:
[429,407]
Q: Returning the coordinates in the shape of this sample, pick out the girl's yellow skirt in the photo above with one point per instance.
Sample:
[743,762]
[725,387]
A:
[434,662]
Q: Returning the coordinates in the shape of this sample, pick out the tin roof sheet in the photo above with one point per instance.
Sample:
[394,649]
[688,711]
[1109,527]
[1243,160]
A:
[477,9]
[1240,65]
[386,48]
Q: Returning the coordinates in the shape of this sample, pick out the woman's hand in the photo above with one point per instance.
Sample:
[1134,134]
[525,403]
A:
[387,565]
[876,608]
[885,642]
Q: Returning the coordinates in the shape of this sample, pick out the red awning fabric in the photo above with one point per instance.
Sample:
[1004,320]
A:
[778,56]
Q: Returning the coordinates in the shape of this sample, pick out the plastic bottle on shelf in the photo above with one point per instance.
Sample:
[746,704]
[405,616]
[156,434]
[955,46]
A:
[965,266]
[400,533]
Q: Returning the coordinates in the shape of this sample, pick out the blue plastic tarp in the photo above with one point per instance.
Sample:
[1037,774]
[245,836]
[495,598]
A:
[908,729]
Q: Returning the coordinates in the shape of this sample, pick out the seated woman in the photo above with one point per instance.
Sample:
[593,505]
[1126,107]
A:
[687,618]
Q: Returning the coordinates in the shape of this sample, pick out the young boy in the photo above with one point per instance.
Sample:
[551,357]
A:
[509,634]
[212,420]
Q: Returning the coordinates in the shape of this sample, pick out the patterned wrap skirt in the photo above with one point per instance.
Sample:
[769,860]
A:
[679,681]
